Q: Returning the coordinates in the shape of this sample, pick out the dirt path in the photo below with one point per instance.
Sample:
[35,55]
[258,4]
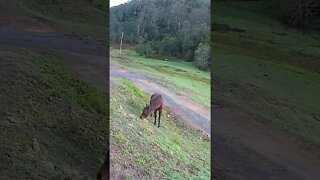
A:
[195,114]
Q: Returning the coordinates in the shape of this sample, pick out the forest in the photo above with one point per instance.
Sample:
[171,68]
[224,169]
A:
[178,29]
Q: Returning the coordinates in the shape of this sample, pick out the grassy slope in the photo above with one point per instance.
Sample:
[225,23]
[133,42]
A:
[68,117]
[77,16]
[172,151]
[270,76]
[182,77]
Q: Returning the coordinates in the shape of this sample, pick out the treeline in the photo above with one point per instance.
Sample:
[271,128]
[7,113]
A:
[165,28]
[302,14]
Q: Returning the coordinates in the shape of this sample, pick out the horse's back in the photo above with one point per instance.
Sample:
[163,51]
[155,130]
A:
[156,99]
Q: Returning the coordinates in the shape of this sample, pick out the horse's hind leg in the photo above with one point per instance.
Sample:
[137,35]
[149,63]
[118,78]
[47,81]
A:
[160,110]
[155,117]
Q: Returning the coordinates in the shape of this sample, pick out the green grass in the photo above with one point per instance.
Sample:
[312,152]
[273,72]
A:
[274,78]
[182,77]
[172,151]
[83,17]
[259,39]
[67,116]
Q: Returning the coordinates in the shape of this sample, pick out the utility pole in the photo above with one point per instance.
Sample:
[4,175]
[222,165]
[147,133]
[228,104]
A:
[121,42]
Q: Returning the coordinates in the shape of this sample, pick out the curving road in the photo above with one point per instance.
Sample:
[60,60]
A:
[195,114]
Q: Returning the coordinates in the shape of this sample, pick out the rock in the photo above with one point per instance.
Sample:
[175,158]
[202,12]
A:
[168,115]
[35,145]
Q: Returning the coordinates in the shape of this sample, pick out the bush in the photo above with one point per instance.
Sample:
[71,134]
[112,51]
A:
[202,56]
[146,49]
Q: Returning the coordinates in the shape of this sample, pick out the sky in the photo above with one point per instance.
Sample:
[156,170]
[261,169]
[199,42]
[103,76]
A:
[116,2]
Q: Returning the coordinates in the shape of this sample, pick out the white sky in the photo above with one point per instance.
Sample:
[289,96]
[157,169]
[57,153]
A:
[116,2]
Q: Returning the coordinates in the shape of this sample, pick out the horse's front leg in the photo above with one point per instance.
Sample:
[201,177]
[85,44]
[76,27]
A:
[155,117]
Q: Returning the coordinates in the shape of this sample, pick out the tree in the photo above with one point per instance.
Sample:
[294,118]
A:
[162,27]
[302,14]
[202,56]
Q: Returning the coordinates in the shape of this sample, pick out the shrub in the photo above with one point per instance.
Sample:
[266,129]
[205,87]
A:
[202,56]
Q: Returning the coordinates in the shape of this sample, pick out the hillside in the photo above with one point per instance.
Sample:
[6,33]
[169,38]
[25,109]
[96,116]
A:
[53,125]
[54,107]
[266,77]
[140,150]
[268,70]
[86,18]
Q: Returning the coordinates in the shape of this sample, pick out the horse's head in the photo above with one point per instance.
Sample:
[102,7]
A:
[145,112]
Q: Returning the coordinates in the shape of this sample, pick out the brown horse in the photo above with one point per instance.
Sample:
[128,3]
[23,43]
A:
[156,104]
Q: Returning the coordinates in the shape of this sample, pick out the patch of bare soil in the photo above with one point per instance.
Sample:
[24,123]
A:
[122,58]
[124,46]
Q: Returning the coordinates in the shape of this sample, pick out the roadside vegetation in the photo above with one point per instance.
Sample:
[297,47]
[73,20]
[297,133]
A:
[53,125]
[141,150]
[266,69]
[86,18]
[182,77]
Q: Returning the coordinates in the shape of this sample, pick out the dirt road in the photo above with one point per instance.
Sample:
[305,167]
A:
[248,149]
[195,114]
